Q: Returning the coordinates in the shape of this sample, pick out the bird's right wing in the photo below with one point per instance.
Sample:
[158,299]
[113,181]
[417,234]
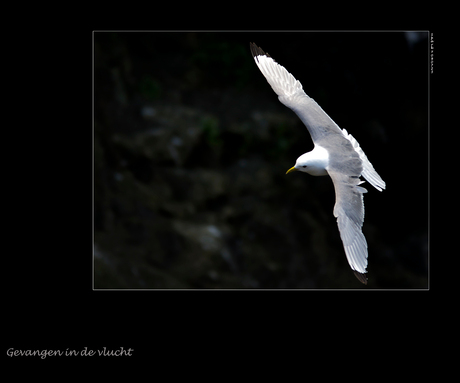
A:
[288,89]
[349,211]
[291,94]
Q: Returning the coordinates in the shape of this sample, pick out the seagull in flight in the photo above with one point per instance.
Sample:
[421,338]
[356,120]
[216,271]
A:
[336,153]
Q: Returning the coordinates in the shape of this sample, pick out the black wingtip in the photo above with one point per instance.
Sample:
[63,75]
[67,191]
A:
[361,277]
[256,51]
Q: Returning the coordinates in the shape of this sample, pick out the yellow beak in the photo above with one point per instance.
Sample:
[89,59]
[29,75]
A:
[291,170]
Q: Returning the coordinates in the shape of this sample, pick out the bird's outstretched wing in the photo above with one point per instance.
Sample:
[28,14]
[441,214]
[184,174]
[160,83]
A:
[349,211]
[291,94]
[318,123]
[283,83]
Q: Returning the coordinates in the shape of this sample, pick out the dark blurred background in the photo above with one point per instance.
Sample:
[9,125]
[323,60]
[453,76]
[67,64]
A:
[191,146]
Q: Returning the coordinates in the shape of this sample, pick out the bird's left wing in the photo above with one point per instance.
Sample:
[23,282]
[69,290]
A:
[349,211]
[291,94]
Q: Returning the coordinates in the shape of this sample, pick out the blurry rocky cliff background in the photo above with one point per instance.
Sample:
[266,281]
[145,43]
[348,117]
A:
[191,146]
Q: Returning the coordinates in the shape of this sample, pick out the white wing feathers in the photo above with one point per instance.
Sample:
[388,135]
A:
[349,211]
[282,82]
[354,244]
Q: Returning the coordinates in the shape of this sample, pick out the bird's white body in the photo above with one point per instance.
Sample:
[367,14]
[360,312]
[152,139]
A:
[336,153]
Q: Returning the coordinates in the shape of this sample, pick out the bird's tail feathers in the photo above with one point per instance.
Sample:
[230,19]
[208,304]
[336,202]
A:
[368,172]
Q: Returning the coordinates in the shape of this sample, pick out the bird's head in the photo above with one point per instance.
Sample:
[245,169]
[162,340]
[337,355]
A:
[310,163]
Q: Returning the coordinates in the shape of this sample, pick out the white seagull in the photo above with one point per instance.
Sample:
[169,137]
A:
[335,153]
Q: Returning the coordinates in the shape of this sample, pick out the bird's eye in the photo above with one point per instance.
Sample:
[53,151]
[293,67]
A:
[304,166]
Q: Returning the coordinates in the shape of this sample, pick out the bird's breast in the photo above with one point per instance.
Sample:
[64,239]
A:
[316,171]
